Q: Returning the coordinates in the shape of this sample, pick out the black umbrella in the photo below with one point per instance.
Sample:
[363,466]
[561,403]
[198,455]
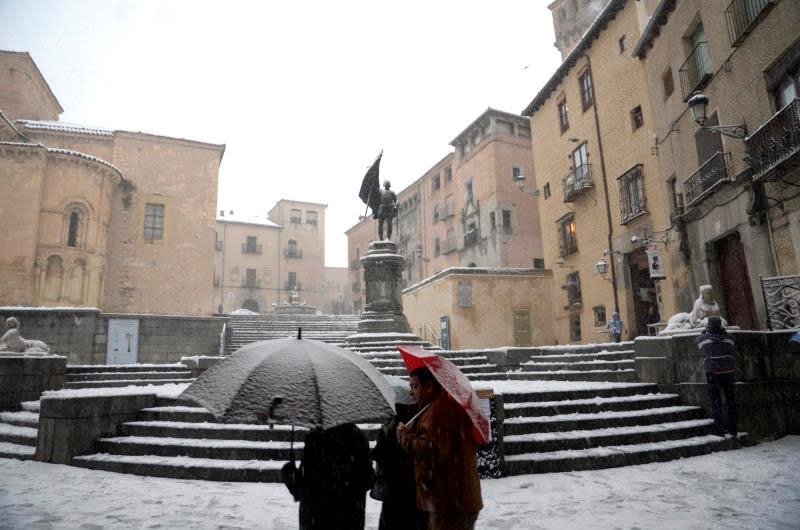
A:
[298,382]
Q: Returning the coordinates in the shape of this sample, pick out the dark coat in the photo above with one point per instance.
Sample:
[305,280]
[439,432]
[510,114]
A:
[394,481]
[719,352]
[334,476]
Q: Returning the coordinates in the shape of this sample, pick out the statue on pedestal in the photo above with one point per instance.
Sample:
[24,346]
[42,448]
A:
[704,307]
[387,210]
[13,342]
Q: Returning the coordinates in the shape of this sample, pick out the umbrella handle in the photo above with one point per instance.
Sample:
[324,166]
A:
[409,422]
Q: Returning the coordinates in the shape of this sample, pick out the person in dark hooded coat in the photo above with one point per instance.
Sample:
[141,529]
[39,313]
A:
[719,363]
[333,479]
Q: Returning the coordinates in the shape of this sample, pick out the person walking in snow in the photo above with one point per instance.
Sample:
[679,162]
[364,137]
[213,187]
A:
[719,362]
[617,326]
[394,477]
[334,477]
[442,446]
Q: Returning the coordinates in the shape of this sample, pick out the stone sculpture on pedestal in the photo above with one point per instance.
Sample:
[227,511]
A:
[12,342]
[704,307]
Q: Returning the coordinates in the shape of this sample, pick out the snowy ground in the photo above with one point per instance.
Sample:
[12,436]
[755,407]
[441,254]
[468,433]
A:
[756,487]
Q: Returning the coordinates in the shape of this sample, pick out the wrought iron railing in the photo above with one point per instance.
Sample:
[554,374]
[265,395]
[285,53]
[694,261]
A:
[251,249]
[741,16]
[471,238]
[292,253]
[578,180]
[218,245]
[695,70]
[782,298]
[706,178]
[775,142]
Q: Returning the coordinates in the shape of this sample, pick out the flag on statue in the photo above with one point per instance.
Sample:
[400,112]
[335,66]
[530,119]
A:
[371,187]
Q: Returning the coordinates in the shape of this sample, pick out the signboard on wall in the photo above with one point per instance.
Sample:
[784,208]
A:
[656,264]
[123,341]
[444,324]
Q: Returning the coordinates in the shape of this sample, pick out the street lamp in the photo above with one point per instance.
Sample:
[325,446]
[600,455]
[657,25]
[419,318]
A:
[699,105]
[520,179]
[601,267]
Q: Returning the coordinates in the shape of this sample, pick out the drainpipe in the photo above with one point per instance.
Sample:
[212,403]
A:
[605,189]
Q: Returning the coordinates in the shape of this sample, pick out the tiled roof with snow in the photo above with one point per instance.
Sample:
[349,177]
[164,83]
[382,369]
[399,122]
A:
[60,126]
[83,155]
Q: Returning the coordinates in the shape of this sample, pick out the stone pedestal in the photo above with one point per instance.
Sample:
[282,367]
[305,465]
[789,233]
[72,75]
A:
[294,309]
[383,307]
[25,377]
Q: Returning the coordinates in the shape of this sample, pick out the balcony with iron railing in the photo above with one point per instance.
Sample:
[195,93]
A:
[707,177]
[250,283]
[742,16]
[292,253]
[471,238]
[251,249]
[579,180]
[776,144]
[289,286]
[218,246]
[695,70]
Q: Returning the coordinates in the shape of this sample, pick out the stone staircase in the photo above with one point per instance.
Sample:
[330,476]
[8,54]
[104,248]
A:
[245,329]
[602,425]
[102,376]
[18,431]
[177,439]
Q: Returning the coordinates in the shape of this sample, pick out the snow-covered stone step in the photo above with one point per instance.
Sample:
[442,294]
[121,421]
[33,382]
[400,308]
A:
[398,361]
[180,429]
[538,442]
[580,366]
[185,467]
[625,375]
[112,376]
[31,406]
[221,449]
[600,420]
[22,418]
[617,456]
[585,348]
[14,434]
[570,357]
[563,391]
[85,368]
[595,404]
[176,413]
[468,369]
[123,382]
[20,452]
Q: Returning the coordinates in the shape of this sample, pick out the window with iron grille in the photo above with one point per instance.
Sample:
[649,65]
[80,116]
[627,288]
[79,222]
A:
[567,235]
[631,193]
[599,315]
[295,216]
[668,82]
[515,173]
[251,245]
[435,212]
[587,96]
[575,326]
[465,293]
[437,182]
[563,115]
[311,217]
[538,263]
[572,284]
[437,246]
[291,250]
[637,118]
[153,222]
[250,278]
[507,221]
[449,206]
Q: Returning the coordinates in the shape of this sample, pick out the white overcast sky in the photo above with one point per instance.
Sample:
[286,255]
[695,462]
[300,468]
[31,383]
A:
[304,94]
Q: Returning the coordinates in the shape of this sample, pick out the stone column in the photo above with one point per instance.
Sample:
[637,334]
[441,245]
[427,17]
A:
[383,308]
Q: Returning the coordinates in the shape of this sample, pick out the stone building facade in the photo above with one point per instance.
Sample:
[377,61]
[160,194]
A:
[467,209]
[259,260]
[122,221]
[602,198]
[733,201]
[571,19]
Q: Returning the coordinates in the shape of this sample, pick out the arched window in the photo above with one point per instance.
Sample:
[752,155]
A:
[74,224]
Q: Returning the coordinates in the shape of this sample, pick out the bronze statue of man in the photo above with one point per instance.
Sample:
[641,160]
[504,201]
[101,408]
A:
[387,210]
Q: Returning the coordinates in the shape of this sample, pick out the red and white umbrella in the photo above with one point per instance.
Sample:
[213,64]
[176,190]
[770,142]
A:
[454,382]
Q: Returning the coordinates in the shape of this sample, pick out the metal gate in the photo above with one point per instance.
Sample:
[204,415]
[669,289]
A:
[782,299]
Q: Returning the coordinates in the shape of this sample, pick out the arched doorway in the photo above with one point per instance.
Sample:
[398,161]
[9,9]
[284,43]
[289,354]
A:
[250,305]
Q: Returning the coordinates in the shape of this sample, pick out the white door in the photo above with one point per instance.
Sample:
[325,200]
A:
[123,341]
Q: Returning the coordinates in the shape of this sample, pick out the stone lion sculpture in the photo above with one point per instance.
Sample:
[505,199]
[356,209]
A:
[705,306]
[12,341]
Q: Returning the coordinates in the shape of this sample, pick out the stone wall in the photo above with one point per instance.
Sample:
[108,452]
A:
[768,377]
[82,334]
[24,378]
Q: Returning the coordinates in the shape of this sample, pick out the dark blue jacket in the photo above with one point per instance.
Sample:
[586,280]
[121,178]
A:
[719,352]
